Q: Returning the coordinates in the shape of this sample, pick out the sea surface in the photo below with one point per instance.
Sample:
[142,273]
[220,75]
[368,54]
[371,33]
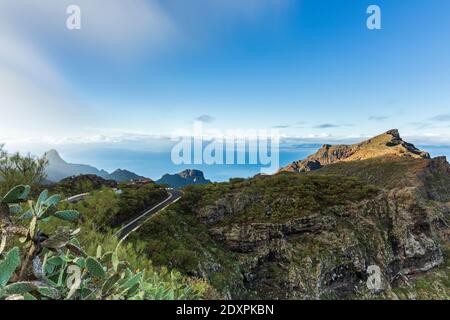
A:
[155,164]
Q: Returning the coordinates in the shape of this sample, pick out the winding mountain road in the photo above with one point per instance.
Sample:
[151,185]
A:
[76,198]
[124,232]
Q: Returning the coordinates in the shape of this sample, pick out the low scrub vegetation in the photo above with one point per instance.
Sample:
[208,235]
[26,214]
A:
[35,264]
[110,208]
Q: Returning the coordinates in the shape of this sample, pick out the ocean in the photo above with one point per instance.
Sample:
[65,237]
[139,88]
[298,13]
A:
[155,164]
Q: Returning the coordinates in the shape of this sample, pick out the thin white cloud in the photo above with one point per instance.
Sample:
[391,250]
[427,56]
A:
[34,97]
[24,58]
[226,8]
[108,28]
[132,139]
[441,118]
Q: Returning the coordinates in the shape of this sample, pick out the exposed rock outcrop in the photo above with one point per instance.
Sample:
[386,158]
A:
[184,178]
[386,144]
[330,254]
[398,233]
[352,229]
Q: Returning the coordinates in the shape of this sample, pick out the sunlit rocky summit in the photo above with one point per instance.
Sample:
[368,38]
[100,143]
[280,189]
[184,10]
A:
[386,144]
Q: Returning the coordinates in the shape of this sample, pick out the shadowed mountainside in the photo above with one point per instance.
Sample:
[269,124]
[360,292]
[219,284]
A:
[59,169]
[121,175]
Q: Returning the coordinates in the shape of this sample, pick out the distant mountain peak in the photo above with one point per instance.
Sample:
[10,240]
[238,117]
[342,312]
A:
[59,169]
[120,171]
[53,156]
[122,175]
[184,178]
[387,144]
[52,152]
[191,173]
[394,133]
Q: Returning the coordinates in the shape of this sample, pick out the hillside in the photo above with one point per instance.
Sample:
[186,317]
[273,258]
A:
[64,234]
[124,175]
[59,169]
[320,234]
[82,184]
[184,178]
[386,144]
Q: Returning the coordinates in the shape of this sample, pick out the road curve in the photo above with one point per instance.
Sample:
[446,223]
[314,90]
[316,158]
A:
[174,196]
[76,198]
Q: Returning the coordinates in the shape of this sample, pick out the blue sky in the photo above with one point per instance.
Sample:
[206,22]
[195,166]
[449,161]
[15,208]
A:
[138,70]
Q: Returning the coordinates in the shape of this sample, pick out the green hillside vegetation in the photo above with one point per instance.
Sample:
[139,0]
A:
[302,194]
[42,240]
[135,199]
[386,172]
[107,208]
[40,245]
[200,244]
[17,169]
[307,235]
[177,239]
[81,184]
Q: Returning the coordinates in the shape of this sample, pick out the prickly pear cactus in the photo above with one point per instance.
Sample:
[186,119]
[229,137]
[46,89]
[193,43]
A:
[55,266]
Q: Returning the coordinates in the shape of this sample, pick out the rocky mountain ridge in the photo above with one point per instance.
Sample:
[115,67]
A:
[58,169]
[369,228]
[122,175]
[386,144]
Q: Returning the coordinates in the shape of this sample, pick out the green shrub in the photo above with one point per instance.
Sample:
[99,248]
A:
[55,266]
[16,169]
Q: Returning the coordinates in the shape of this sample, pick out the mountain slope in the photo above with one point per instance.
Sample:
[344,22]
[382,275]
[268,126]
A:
[58,169]
[386,144]
[75,185]
[124,175]
[316,235]
[184,178]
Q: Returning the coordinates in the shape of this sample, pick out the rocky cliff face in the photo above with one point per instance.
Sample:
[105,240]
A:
[184,178]
[367,228]
[400,233]
[386,144]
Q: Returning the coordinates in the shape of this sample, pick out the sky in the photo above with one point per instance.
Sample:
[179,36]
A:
[138,70]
